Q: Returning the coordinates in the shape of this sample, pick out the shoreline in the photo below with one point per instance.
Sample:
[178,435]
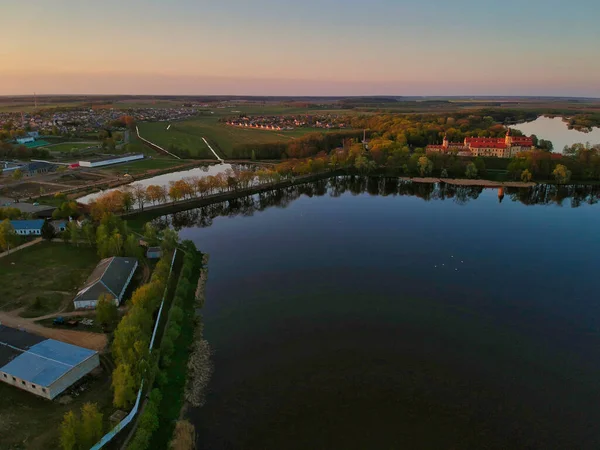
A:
[471,182]
[197,202]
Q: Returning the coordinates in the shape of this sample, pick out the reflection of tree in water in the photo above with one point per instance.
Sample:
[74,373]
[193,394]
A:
[356,185]
[546,194]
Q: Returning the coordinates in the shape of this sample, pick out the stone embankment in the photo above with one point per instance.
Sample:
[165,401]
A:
[199,365]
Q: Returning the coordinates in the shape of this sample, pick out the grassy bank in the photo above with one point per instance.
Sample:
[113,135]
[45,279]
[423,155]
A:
[155,424]
[175,373]
[44,276]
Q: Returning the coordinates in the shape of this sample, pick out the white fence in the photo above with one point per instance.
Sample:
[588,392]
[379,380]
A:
[127,420]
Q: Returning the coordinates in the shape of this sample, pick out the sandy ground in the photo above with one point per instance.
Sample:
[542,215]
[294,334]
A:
[466,182]
[93,341]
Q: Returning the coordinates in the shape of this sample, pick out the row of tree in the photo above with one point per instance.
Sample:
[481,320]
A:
[133,333]
[154,416]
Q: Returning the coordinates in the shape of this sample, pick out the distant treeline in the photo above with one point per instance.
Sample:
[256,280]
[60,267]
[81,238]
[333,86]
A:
[9,151]
[303,147]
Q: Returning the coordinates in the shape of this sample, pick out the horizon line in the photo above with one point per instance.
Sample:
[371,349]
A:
[302,96]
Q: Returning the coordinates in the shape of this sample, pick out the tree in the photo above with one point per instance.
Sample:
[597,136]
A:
[156,194]
[139,195]
[444,173]
[107,313]
[132,247]
[170,239]
[91,425]
[69,432]
[124,386]
[425,166]
[128,200]
[17,174]
[526,176]
[8,237]
[48,232]
[561,174]
[89,232]
[74,233]
[471,171]
[150,234]
[362,164]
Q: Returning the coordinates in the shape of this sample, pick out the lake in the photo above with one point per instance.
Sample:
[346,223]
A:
[555,130]
[364,313]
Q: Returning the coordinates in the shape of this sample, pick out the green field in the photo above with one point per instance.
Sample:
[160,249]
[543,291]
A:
[44,277]
[223,138]
[67,147]
[144,165]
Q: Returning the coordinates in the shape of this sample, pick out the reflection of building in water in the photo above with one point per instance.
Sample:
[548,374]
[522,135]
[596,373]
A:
[500,194]
[505,147]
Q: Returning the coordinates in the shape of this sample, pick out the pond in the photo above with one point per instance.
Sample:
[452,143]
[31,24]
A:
[364,313]
[164,179]
[555,130]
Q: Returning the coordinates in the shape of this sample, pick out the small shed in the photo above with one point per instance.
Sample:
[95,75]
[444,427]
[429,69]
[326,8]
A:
[59,225]
[153,253]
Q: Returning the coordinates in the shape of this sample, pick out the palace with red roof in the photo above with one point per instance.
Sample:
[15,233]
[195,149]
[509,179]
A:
[505,147]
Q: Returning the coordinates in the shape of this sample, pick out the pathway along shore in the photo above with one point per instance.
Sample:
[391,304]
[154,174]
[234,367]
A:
[197,202]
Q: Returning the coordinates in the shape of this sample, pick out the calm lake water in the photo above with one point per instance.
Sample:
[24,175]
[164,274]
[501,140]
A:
[556,130]
[164,179]
[373,314]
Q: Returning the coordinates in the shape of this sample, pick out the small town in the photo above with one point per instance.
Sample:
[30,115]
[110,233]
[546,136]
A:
[287,123]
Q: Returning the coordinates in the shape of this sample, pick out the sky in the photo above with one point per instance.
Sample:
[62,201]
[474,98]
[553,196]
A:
[300,47]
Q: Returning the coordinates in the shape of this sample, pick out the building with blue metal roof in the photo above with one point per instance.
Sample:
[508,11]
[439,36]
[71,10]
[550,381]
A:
[28,227]
[44,367]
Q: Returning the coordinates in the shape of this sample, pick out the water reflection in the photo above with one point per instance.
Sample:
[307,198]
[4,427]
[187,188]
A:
[557,131]
[165,179]
[572,195]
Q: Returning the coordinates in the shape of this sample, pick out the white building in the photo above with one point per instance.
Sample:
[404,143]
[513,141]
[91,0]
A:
[44,367]
[109,160]
[111,278]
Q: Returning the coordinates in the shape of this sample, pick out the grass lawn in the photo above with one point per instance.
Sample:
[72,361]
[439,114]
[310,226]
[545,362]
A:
[144,165]
[31,422]
[44,276]
[69,146]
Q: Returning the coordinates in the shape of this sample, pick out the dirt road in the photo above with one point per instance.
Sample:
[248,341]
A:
[93,341]
[21,247]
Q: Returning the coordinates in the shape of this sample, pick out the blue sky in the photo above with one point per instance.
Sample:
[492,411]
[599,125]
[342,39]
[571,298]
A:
[427,47]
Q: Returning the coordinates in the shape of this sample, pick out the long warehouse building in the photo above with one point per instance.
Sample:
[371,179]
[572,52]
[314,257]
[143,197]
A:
[42,366]
[110,160]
